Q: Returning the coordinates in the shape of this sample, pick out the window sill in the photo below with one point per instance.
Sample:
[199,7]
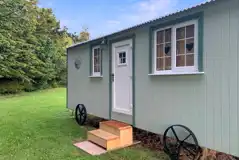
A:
[176,73]
[95,76]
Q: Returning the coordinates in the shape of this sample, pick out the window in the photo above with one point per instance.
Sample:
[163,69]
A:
[176,48]
[185,46]
[96,55]
[164,50]
[122,58]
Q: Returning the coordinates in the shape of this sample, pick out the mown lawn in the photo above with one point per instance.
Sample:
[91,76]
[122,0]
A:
[38,126]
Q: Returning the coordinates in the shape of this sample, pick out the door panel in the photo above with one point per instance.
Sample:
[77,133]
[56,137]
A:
[122,70]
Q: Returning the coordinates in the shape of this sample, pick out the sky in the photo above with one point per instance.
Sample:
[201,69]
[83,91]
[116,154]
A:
[102,17]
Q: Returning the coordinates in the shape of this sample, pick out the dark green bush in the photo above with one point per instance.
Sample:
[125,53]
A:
[12,86]
[41,84]
[29,87]
[53,84]
[8,86]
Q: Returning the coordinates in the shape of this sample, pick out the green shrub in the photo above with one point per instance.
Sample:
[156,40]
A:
[8,86]
[12,86]
[54,84]
[29,87]
[41,84]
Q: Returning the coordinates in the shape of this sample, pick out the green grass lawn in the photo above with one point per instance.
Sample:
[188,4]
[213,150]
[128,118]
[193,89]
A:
[38,126]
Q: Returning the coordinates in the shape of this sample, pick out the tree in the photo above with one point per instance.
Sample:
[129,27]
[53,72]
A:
[83,36]
[32,45]
[18,60]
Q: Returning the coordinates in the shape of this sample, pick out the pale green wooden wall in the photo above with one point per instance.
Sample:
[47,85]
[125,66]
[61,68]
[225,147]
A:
[207,104]
[92,92]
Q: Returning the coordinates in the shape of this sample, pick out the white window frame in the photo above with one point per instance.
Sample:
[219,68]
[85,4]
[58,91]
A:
[96,74]
[118,59]
[174,68]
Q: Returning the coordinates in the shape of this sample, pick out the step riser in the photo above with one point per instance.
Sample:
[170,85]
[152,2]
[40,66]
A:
[109,129]
[126,135]
[107,144]
[97,140]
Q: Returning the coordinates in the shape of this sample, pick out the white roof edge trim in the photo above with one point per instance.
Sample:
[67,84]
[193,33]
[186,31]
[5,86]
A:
[147,22]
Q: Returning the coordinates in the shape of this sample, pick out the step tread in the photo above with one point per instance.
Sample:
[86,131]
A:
[103,134]
[116,124]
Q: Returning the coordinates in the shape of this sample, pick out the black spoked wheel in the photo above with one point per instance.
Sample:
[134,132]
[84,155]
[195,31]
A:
[80,114]
[179,141]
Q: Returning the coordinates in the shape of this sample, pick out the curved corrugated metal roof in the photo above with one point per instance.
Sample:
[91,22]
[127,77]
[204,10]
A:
[147,22]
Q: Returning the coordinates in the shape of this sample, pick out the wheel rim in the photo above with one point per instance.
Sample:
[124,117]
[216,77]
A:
[80,114]
[179,139]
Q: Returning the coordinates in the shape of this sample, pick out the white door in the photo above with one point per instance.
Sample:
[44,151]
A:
[122,77]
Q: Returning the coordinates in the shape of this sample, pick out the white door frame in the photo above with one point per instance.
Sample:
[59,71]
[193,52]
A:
[114,46]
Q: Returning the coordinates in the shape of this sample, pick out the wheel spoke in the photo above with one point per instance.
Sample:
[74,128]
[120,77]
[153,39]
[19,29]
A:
[186,138]
[82,111]
[175,134]
[77,111]
[184,147]
[80,118]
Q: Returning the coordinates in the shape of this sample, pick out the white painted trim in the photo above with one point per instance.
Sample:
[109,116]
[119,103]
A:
[174,69]
[117,110]
[188,68]
[176,73]
[122,43]
[126,59]
[161,29]
[95,74]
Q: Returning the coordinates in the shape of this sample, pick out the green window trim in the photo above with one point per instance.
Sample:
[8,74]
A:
[199,16]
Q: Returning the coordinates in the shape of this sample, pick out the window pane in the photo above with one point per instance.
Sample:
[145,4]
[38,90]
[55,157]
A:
[96,68]
[168,35]
[160,51]
[190,31]
[180,61]
[95,51]
[180,33]
[123,60]
[190,60]
[96,56]
[95,60]
[160,64]
[120,55]
[167,49]
[190,45]
[160,37]
[123,54]
[180,47]
[167,63]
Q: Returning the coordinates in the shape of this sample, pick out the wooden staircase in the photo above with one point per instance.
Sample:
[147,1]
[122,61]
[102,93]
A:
[112,135]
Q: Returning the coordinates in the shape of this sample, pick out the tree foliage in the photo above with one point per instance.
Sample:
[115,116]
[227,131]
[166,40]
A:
[32,45]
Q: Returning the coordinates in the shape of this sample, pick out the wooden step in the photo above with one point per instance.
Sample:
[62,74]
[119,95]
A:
[123,130]
[104,139]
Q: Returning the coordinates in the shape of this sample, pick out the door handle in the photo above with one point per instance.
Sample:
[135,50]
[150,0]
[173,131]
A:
[112,77]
